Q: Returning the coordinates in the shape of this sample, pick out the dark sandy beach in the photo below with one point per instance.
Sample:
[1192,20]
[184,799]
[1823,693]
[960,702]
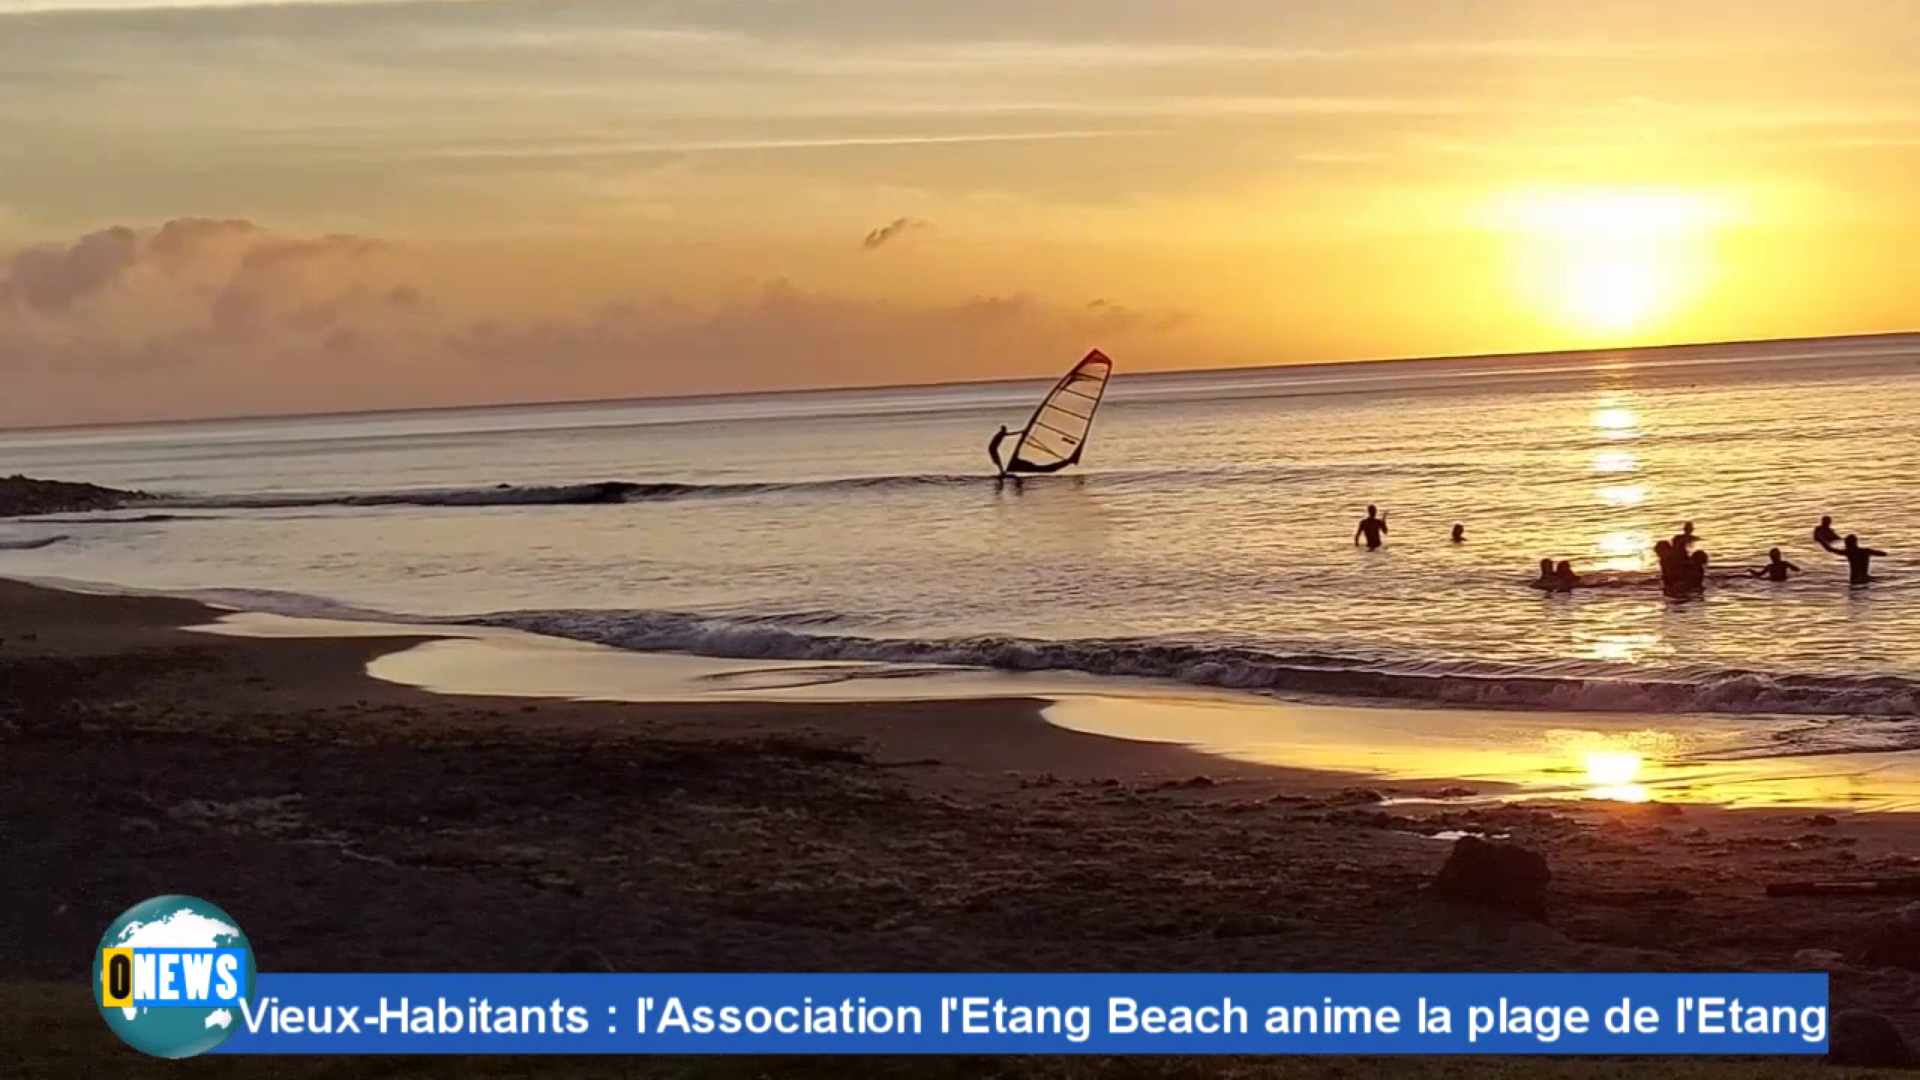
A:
[350,824]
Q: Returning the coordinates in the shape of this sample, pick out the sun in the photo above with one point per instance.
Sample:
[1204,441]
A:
[1610,263]
[1612,285]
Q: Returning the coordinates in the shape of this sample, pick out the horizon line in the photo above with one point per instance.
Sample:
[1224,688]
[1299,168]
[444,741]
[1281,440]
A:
[849,387]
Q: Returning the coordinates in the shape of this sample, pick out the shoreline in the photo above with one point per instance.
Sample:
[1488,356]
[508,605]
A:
[355,824]
[1808,701]
[1409,749]
[1725,760]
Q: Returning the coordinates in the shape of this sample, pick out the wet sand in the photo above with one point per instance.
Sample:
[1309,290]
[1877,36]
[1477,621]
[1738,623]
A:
[353,823]
[1718,759]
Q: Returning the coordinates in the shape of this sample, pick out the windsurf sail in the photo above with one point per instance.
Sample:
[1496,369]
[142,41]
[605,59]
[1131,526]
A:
[1056,435]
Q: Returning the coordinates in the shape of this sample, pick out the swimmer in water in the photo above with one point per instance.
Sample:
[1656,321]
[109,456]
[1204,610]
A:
[1826,535]
[1564,577]
[1859,560]
[1373,527]
[1684,539]
[1777,568]
[1459,534]
[1549,578]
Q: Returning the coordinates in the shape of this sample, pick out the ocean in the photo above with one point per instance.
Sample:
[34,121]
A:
[1207,537]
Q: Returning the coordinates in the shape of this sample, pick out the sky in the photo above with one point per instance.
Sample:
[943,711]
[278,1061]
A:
[215,208]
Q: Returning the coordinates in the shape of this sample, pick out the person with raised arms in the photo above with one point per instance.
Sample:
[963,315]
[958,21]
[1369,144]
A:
[1859,560]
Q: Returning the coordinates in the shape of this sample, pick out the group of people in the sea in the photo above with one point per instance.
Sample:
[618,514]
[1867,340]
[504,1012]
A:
[1683,566]
[1683,569]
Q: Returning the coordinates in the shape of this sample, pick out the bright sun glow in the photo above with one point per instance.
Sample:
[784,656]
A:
[1612,772]
[1625,648]
[1617,422]
[1612,769]
[1623,549]
[1610,263]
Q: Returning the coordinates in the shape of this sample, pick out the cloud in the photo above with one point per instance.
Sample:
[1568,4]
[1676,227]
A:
[1132,56]
[240,267]
[342,340]
[269,271]
[530,149]
[61,7]
[182,238]
[51,279]
[880,236]
[782,336]
[1104,317]
[205,317]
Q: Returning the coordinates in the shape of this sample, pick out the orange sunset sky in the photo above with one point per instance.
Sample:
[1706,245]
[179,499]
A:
[213,208]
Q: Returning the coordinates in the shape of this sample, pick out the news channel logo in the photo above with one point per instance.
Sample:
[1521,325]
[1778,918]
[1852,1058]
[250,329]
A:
[170,975]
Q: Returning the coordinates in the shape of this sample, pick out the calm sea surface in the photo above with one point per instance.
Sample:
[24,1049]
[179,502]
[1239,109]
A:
[1207,537]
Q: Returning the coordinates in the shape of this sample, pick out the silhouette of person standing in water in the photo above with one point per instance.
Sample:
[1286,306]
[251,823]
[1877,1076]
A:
[993,448]
[1695,578]
[1777,568]
[1459,534]
[1373,527]
[1681,575]
[1859,560]
[1684,539]
[1825,535]
[1669,565]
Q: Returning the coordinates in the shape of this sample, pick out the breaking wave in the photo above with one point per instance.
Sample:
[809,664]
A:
[108,518]
[603,492]
[30,545]
[586,494]
[1598,689]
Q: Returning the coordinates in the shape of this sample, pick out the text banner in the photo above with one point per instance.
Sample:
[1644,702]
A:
[1033,1014]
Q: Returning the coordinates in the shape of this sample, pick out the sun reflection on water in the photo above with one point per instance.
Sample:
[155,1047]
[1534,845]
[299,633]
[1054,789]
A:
[1611,774]
[1622,648]
[1613,764]
[1691,762]
[1617,422]
[1623,549]
[1615,461]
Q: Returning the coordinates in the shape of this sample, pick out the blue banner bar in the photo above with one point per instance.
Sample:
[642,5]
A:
[1034,1014]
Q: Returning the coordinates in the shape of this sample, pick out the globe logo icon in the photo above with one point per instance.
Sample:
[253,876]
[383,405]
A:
[164,923]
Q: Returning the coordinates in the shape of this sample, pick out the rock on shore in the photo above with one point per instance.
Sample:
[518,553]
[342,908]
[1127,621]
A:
[23,495]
